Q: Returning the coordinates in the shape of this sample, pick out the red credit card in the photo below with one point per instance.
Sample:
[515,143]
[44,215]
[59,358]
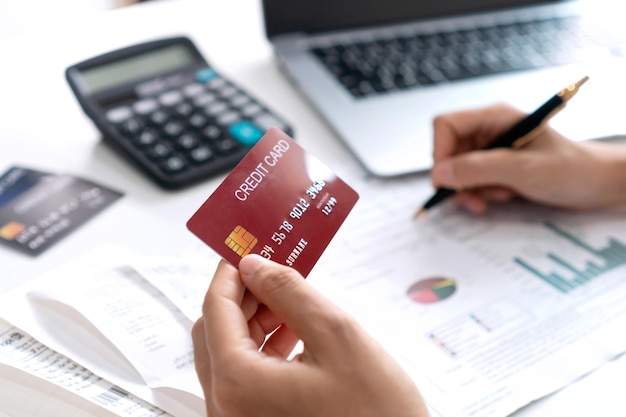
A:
[279,202]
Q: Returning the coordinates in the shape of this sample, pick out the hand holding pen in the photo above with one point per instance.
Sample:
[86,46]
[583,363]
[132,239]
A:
[461,161]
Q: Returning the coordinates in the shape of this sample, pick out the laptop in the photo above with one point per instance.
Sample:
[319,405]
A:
[378,71]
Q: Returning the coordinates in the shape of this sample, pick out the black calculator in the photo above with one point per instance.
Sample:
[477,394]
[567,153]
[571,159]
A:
[162,105]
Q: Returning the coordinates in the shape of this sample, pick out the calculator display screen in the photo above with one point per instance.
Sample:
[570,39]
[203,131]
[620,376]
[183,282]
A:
[136,67]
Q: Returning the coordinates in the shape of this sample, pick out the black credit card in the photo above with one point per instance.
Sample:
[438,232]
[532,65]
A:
[38,209]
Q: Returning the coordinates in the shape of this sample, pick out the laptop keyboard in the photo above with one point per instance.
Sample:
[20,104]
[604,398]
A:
[423,59]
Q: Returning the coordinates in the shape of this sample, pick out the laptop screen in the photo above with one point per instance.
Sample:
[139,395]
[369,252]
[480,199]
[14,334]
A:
[311,16]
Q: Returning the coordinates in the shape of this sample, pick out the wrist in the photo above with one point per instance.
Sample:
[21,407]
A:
[611,171]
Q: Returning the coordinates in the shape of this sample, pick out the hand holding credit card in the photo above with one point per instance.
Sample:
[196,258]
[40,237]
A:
[279,202]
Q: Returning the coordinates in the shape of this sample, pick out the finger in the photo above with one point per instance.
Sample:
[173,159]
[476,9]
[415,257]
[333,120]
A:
[471,201]
[224,321]
[202,361]
[256,333]
[476,201]
[497,194]
[267,319]
[249,305]
[497,167]
[280,343]
[283,290]
[468,130]
[263,323]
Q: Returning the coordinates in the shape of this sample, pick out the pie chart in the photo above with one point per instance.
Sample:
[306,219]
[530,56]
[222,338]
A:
[431,290]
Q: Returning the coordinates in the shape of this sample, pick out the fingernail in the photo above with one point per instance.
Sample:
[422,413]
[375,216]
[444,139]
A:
[443,173]
[250,263]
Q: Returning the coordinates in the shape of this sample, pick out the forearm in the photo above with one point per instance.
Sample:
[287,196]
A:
[611,172]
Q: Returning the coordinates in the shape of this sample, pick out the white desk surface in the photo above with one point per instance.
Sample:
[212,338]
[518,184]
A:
[42,126]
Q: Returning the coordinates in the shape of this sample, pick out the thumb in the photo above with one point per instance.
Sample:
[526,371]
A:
[285,292]
[497,167]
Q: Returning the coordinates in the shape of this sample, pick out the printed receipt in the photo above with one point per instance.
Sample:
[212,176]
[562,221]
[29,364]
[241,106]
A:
[183,281]
[138,319]
[21,351]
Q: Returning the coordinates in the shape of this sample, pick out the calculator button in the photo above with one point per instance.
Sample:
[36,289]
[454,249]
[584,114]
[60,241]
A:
[212,132]
[159,151]
[158,118]
[201,154]
[146,138]
[198,121]
[145,106]
[119,114]
[226,146]
[173,129]
[205,75]
[130,127]
[245,132]
[204,99]
[227,91]
[192,90]
[265,121]
[239,100]
[228,118]
[250,109]
[174,164]
[216,108]
[216,83]
[187,141]
[170,98]
[183,109]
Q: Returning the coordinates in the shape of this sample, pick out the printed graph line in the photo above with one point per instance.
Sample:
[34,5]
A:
[613,255]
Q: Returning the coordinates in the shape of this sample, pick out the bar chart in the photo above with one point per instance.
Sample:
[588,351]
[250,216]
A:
[569,276]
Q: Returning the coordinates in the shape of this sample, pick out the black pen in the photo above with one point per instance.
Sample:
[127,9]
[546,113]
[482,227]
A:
[519,135]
